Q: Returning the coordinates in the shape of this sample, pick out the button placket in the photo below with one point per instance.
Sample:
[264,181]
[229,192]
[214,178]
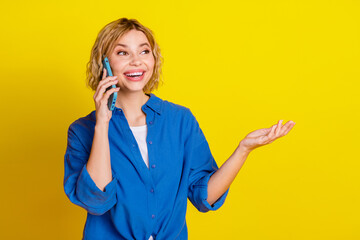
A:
[135,149]
[150,115]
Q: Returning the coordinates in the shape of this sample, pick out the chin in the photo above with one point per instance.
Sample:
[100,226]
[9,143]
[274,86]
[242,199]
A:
[133,86]
[134,89]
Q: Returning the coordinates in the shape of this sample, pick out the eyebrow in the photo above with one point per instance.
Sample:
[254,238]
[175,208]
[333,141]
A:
[123,45]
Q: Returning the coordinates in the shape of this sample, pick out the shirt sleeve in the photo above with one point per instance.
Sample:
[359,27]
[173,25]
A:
[202,166]
[78,184]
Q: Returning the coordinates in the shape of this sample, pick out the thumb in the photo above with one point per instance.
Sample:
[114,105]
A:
[267,130]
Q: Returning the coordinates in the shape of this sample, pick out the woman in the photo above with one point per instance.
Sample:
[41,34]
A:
[134,167]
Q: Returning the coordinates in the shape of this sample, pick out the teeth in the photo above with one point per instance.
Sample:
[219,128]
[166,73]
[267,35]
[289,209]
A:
[134,74]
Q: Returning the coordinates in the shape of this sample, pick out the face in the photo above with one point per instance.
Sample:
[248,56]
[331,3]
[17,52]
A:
[132,61]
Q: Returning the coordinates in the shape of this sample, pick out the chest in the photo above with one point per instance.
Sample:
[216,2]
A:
[140,121]
[165,150]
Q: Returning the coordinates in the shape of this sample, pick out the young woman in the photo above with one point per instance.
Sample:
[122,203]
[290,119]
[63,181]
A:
[134,167]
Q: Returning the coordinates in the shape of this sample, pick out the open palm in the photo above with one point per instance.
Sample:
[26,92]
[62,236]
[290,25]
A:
[265,136]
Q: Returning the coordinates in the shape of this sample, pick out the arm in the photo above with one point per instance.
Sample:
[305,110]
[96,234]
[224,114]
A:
[99,165]
[220,181]
[88,180]
[202,166]
[78,184]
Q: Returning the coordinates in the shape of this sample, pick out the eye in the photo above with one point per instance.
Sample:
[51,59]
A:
[147,51]
[121,52]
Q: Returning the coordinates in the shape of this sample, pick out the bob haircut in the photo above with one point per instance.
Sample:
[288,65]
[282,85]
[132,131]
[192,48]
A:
[105,44]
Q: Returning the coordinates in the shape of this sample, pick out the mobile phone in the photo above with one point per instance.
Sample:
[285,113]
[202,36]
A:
[113,96]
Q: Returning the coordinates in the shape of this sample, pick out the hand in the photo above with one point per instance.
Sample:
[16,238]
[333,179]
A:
[265,136]
[103,114]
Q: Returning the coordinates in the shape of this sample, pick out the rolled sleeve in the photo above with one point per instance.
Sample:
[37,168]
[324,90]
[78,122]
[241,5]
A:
[78,184]
[202,166]
[203,194]
[95,199]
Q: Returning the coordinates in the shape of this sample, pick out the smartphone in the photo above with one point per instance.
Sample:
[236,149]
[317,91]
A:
[113,96]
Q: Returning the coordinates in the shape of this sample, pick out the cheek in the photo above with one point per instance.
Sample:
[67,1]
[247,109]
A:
[151,64]
[118,67]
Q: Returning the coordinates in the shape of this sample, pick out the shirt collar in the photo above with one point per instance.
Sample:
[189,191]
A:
[154,102]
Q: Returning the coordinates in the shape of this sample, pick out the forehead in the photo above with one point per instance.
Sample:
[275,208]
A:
[133,37]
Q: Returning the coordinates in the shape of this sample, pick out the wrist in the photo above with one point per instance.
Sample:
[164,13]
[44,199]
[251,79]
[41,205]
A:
[101,126]
[242,149]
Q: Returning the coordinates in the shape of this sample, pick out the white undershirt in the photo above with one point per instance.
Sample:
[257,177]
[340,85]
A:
[140,136]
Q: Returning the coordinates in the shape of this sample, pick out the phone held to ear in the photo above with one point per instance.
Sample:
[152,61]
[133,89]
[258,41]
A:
[113,96]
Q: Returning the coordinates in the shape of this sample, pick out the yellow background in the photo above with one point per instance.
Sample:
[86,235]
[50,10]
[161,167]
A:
[238,65]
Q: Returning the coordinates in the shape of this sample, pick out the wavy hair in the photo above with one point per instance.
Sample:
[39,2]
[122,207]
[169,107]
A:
[105,44]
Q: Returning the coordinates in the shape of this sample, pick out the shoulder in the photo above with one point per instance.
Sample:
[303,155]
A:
[178,111]
[174,107]
[83,125]
[180,116]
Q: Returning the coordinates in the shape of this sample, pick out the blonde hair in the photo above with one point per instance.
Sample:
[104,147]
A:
[105,44]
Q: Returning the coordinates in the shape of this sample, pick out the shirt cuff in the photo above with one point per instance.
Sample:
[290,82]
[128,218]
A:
[98,201]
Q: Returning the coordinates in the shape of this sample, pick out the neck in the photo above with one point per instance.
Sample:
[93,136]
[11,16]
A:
[131,102]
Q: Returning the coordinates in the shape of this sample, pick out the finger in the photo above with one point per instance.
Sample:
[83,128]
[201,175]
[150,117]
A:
[105,99]
[267,138]
[107,79]
[289,128]
[104,74]
[101,90]
[278,127]
[266,130]
[272,132]
[102,81]
[285,127]
[102,86]
[108,93]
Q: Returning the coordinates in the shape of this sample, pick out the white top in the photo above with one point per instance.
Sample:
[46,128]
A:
[140,133]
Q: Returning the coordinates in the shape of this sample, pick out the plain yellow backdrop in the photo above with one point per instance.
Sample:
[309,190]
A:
[238,65]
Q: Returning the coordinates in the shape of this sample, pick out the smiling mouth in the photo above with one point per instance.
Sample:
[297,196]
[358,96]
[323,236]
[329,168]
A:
[135,74]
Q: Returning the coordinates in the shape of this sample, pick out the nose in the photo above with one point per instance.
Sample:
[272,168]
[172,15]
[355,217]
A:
[135,60]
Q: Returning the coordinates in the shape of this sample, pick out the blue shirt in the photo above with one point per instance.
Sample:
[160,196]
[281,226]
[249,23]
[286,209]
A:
[142,201]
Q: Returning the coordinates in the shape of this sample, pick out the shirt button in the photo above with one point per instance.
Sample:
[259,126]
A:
[133,145]
[152,190]
[150,142]
[153,166]
[150,122]
[153,216]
